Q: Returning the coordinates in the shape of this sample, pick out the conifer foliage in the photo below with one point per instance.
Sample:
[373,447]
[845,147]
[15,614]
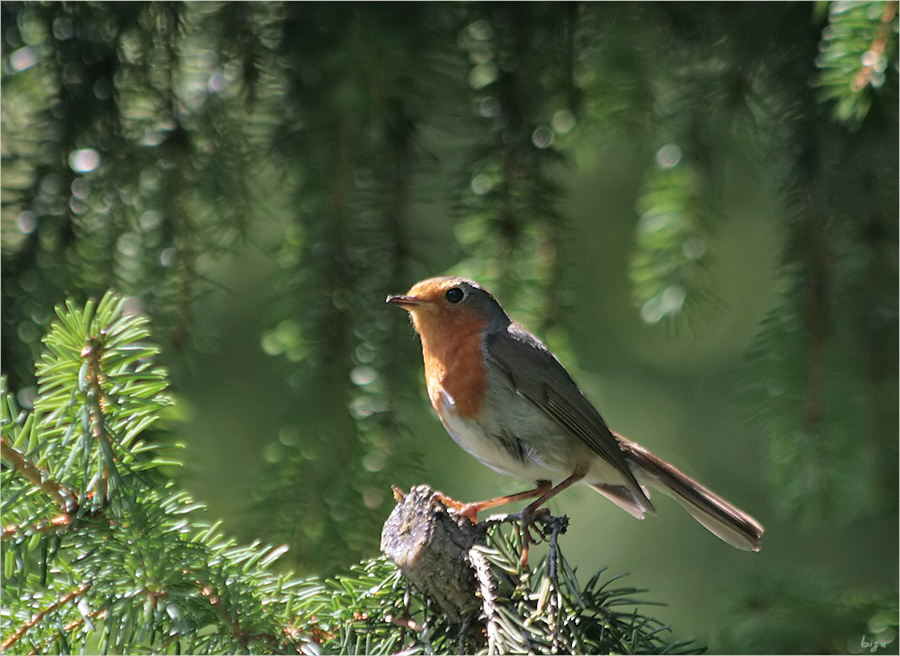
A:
[103,554]
[367,145]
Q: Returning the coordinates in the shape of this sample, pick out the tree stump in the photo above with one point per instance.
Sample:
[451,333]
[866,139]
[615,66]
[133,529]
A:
[431,546]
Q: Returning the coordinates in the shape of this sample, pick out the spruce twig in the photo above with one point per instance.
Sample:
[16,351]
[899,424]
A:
[61,495]
[38,617]
[511,609]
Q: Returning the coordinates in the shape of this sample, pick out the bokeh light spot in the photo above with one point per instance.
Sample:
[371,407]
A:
[489,107]
[167,257]
[289,436]
[481,184]
[128,244]
[694,248]
[102,89]
[542,137]
[27,222]
[481,30]
[363,375]
[669,302]
[373,498]
[668,156]
[81,188]
[22,59]
[482,75]
[84,160]
[273,452]
[373,462]
[63,28]
[216,82]
[77,206]
[150,220]
[563,121]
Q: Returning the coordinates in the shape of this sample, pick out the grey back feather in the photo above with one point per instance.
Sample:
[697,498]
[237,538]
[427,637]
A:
[547,385]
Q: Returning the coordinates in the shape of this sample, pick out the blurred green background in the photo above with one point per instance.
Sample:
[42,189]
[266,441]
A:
[695,205]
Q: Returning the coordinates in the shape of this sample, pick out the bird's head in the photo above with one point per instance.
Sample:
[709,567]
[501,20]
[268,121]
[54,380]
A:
[442,306]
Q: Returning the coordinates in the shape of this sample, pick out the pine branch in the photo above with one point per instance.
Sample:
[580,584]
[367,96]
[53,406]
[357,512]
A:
[487,603]
[141,559]
[56,523]
[871,60]
[60,494]
[195,117]
[668,265]
[857,46]
[9,642]
[131,568]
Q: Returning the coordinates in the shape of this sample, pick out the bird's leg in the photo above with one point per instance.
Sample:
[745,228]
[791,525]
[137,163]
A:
[471,510]
[530,511]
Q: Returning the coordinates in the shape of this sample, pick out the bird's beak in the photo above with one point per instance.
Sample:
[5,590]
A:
[405,302]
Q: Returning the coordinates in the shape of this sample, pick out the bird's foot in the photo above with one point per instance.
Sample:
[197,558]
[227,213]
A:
[471,510]
[533,525]
[468,510]
[528,526]
[537,525]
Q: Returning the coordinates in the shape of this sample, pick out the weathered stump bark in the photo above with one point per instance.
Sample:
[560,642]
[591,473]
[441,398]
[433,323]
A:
[431,546]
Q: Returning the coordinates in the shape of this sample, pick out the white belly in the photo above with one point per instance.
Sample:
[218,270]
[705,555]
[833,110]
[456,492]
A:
[524,442]
[501,447]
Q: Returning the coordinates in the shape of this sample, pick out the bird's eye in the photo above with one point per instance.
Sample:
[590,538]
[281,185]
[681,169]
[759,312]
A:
[455,294]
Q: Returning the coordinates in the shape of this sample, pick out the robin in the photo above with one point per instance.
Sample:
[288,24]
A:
[506,399]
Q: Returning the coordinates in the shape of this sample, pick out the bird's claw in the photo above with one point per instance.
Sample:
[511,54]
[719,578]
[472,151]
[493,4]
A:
[468,510]
[527,517]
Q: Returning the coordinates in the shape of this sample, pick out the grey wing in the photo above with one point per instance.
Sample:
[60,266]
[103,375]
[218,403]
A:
[547,385]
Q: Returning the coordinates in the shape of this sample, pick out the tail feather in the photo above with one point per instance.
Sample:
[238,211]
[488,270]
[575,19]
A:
[721,518]
[626,500]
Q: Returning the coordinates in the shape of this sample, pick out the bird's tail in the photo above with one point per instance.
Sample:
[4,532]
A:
[724,520]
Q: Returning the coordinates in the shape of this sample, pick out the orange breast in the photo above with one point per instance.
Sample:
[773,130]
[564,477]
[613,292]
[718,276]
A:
[454,363]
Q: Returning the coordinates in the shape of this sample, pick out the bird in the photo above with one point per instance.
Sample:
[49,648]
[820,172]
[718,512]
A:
[506,399]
